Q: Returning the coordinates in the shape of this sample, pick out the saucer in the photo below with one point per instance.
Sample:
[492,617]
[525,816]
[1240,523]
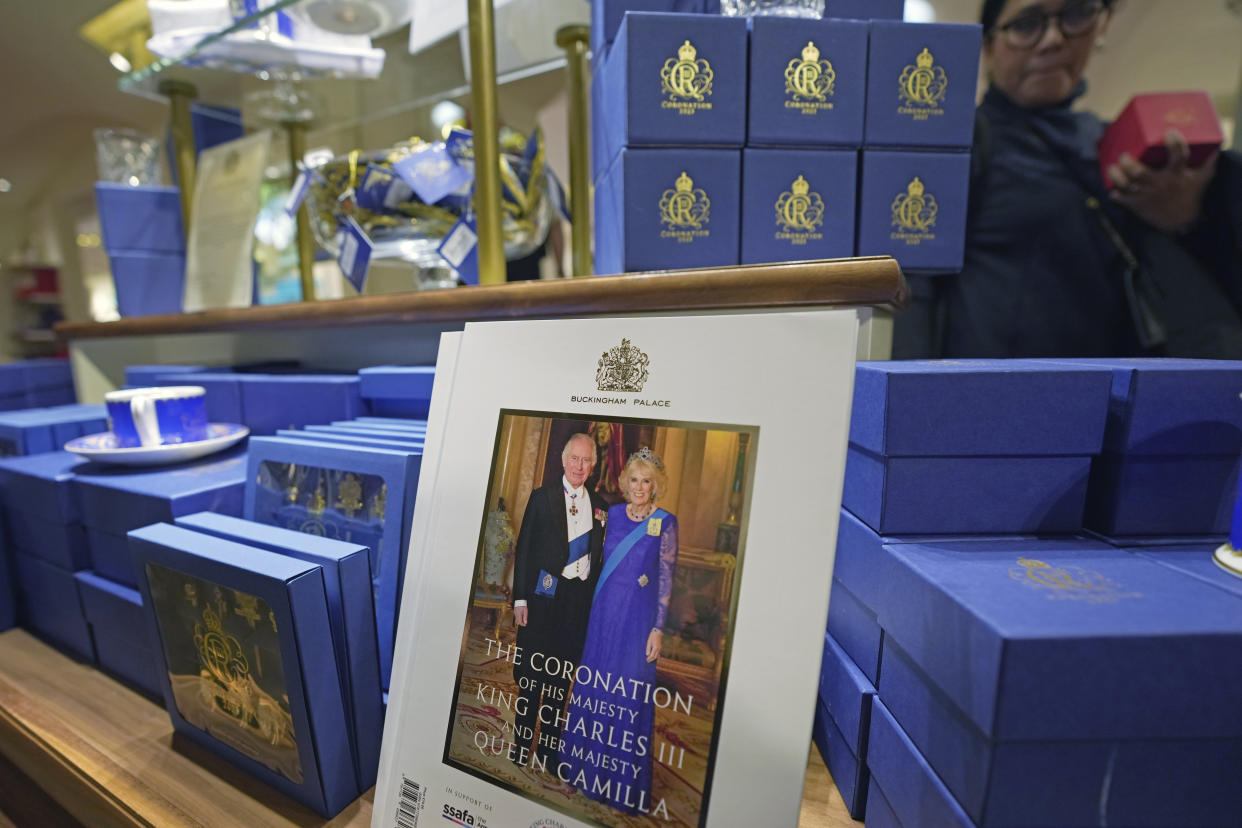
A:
[102,447]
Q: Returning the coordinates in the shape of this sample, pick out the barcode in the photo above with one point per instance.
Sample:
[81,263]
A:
[410,804]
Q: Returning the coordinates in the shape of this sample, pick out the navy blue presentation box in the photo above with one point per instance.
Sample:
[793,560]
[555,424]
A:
[45,373]
[249,666]
[344,492]
[905,792]
[109,556]
[856,627]
[865,9]
[606,16]
[291,401]
[38,430]
[845,696]
[347,583]
[808,81]
[45,397]
[398,390]
[41,486]
[797,204]
[660,209]
[672,80]
[123,643]
[921,81]
[849,773]
[50,606]
[912,206]
[62,544]
[1195,560]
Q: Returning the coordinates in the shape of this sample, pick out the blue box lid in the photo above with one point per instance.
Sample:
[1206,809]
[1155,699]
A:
[1172,406]
[1195,560]
[58,543]
[808,82]
[797,204]
[295,400]
[123,644]
[356,438]
[181,571]
[978,407]
[846,694]
[856,628]
[41,485]
[1066,639]
[224,393]
[347,580]
[912,206]
[409,382]
[144,375]
[921,82]
[117,499]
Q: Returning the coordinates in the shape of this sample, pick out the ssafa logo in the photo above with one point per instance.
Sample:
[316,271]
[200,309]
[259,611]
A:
[462,816]
[922,87]
[809,81]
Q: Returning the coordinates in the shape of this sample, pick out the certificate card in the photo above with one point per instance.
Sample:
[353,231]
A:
[618,578]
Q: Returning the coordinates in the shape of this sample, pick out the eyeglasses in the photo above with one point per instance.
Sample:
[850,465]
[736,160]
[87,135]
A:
[1075,20]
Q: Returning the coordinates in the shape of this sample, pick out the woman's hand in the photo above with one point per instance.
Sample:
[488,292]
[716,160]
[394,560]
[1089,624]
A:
[1168,199]
[654,641]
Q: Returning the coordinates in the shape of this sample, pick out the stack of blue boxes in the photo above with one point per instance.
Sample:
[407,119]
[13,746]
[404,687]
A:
[36,430]
[980,641]
[719,141]
[267,402]
[35,383]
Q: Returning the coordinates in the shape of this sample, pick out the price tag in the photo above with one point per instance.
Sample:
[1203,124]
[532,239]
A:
[298,194]
[354,257]
[460,249]
[432,173]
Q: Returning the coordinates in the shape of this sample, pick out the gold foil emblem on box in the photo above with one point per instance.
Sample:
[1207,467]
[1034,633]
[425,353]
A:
[686,81]
[922,87]
[914,214]
[1068,583]
[799,212]
[686,210]
[809,81]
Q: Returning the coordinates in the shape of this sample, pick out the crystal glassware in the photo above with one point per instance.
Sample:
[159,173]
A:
[773,8]
[123,156]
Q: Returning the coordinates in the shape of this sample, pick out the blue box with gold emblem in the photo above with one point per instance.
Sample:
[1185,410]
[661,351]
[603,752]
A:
[347,581]
[808,81]
[662,209]
[865,9]
[921,80]
[1070,662]
[673,80]
[912,206]
[123,643]
[249,660]
[347,492]
[797,204]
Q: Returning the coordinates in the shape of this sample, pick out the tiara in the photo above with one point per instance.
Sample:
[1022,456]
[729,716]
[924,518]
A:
[648,456]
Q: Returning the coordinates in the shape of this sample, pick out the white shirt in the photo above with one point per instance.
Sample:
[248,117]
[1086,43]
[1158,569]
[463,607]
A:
[578,524]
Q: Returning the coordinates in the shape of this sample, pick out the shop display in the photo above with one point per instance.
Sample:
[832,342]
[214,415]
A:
[455,723]
[799,204]
[1141,128]
[347,584]
[124,645]
[249,662]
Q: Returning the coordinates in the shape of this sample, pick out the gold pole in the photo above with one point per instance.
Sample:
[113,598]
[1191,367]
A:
[575,40]
[185,157]
[486,142]
[306,243]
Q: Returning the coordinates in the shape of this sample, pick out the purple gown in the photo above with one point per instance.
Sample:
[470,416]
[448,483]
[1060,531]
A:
[630,600]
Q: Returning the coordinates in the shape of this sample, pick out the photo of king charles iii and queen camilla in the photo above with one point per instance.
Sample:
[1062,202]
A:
[597,637]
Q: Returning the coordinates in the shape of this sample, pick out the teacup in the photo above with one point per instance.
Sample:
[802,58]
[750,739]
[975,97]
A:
[157,416]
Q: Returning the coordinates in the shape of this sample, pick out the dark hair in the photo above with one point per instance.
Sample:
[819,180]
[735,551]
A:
[991,12]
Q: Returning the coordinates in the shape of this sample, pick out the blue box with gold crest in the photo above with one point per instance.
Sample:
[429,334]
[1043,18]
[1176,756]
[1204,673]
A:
[921,80]
[347,582]
[1095,670]
[347,492]
[658,209]
[912,206]
[797,204]
[672,80]
[808,81]
[249,662]
[123,643]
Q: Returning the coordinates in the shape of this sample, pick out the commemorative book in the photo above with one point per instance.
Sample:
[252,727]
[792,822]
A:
[638,682]
[249,663]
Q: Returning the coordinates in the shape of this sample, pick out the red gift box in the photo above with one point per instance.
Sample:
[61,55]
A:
[1140,129]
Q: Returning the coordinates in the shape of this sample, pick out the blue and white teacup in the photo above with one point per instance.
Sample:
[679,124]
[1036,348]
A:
[157,416]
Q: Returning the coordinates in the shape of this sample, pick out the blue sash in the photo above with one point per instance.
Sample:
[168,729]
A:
[624,547]
[579,546]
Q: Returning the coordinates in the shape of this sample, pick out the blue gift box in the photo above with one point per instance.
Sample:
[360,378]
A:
[797,204]
[40,485]
[1195,560]
[44,397]
[291,401]
[398,387]
[905,791]
[912,206]
[148,283]
[347,581]
[224,392]
[11,380]
[1172,494]
[672,80]
[856,627]
[11,402]
[1044,640]
[879,811]
[606,17]
[354,438]
[109,556]
[140,376]
[865,9]
[345,492]
[140,219]
[39,430]
[808,82]
[660,209]
[921,81]
[61,544]
[119,631]
[46,373]
[991,779]
[250,671]
[849,772]
[118,499]
[50,605]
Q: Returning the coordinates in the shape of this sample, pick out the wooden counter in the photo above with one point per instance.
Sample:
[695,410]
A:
[109,757]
